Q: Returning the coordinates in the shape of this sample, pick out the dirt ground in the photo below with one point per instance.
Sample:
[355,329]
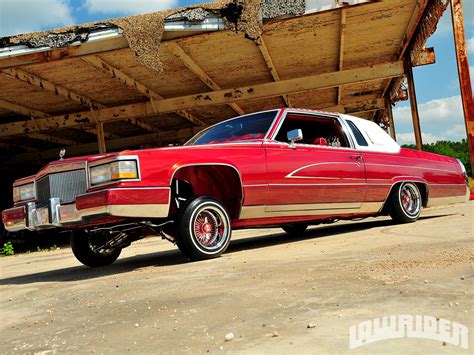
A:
[274,293]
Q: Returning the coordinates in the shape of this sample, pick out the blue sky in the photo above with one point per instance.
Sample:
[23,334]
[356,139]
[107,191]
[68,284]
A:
[436,85]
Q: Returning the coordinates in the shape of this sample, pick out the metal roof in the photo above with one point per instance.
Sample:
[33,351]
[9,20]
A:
[342,56]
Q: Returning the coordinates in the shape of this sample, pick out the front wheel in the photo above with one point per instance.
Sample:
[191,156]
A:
[405,203]
[203,228]
[90,250]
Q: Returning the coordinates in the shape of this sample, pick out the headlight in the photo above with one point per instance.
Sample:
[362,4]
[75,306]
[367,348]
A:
[24,192]
[117,170]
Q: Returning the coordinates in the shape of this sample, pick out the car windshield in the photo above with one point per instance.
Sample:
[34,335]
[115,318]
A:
[244,128]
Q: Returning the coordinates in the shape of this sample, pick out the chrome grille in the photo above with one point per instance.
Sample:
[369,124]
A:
[65,185]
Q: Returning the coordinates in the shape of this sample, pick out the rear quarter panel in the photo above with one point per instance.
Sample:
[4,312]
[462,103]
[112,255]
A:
[442,174]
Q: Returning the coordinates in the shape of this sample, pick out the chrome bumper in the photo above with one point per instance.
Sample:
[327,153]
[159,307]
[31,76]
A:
[56,215]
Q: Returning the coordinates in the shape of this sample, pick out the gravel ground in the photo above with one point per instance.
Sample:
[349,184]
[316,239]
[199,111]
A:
[268,294]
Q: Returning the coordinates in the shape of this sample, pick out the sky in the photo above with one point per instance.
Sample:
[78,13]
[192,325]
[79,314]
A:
[437,85]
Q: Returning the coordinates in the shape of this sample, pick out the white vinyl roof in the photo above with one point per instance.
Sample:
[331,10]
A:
[377,139]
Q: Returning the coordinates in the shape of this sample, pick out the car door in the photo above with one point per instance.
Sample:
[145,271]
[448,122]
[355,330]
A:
[314,177]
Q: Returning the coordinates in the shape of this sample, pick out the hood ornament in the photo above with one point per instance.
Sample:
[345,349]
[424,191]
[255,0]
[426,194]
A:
[62,153]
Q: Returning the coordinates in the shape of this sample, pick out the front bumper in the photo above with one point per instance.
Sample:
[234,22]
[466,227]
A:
[89,208]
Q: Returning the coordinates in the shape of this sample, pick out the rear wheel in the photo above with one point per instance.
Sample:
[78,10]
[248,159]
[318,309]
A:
[203,228]
[90,249]
[295,229]
[405,203]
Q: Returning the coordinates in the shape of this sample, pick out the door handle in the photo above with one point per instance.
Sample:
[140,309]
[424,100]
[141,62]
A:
[356,157]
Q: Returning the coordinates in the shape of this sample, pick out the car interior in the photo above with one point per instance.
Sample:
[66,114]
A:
[317,130]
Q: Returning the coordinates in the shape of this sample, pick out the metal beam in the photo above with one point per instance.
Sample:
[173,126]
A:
[463,71]
[61,91]
[107,135]
[51,87]
[29,112]
[167,137]
[421,26]
[34,114]
[51,139]
[124,112]
[357,106]
[174,48]
[156,139]
[262,46]
[41,55]
[424,56]
[414,105]
[388,109]
[22,110]
[118,74]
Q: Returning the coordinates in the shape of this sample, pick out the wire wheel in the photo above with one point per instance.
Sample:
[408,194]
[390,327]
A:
[209,228]
[203,228]
[410,199]
[92,252]
[405,203]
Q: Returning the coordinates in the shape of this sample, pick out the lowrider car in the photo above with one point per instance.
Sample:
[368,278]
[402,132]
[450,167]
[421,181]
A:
[284,167]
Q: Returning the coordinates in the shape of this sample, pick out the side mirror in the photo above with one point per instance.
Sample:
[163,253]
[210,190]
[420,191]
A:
[294,136]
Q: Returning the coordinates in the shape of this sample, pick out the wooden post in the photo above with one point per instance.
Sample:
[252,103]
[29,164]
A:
[101,138]
[388,108]
[463,71]
[413,104]
[100,132]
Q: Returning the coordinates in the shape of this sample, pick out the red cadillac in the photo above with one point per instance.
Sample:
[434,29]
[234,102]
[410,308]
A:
[286,167]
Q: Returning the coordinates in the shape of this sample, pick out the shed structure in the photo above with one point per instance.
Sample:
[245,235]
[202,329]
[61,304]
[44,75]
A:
[157,79]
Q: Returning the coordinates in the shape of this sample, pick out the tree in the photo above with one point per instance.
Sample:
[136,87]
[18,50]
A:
[457,150]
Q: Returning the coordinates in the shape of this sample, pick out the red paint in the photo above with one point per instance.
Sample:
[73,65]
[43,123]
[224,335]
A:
[123,197]
[272,173]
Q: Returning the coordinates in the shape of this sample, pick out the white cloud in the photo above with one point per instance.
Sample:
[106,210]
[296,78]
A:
[470,45]
[440,119]
[437,111]
[445,23]
[128,7]
[22,16]
[458,130]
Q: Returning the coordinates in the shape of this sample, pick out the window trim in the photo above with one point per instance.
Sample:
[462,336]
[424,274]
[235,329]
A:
[277,116]
[342,124]
[352,127]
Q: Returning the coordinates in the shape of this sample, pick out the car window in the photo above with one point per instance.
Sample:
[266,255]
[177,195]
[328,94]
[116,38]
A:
[358,136]
[317,130]
[244,128]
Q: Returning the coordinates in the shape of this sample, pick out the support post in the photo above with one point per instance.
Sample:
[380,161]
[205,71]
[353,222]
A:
[413,104]
[463,71]
[101,138]
[100,132]
[388,108]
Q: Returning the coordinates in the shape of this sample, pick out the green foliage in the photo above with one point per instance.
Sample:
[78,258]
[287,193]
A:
[51,248]
[7,249]
[457,150]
